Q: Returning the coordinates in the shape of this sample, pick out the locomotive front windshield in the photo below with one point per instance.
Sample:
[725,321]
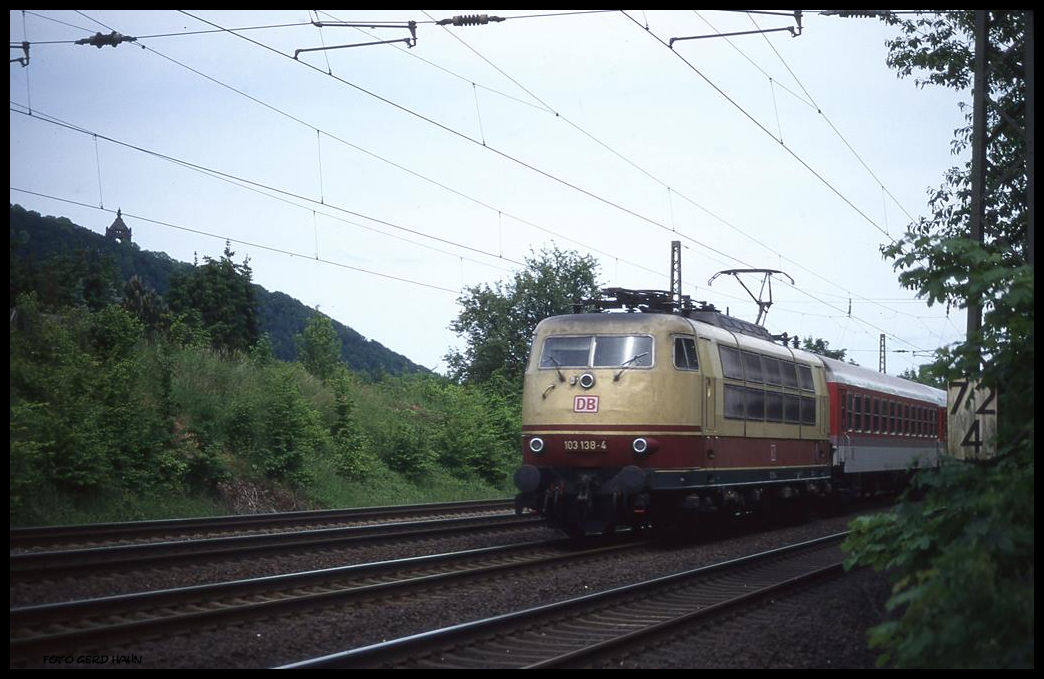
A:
[597,351]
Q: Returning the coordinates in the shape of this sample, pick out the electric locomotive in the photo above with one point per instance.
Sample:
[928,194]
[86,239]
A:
[668,411]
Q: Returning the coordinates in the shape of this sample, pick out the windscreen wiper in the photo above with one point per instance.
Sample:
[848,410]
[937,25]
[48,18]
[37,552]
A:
[558,369]
[626,364]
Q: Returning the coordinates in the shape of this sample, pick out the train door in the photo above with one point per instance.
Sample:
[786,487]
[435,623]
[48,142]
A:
[710,406]
[844,428]
[687,382]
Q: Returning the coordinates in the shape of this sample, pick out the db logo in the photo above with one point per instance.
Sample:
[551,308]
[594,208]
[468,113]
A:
[585,404]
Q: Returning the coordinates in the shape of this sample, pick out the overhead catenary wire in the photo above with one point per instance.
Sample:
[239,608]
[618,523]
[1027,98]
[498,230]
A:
[257,185]
[558,115]
[509,157]
[498,211]
[482,143]
[381,158]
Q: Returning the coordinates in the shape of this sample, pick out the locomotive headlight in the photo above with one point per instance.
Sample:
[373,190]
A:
[536,444]
[587,380]
[644,446]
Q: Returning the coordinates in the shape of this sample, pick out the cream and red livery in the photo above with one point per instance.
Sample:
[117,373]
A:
[643,417]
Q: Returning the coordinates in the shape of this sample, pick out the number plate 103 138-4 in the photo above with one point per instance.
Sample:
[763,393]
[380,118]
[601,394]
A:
[585,445]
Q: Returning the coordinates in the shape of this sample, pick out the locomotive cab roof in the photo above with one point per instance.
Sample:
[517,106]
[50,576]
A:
[663,302]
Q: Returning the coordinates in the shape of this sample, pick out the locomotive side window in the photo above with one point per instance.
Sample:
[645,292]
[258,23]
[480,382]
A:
[731,363]
[752,365]
[566,352]
[808,410]
[805,377]
[766,395]
[773,406]
[771,366]
[755,404]
[735,403]
[685,353]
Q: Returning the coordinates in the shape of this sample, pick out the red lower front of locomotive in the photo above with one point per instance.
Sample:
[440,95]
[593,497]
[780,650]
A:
[594,481]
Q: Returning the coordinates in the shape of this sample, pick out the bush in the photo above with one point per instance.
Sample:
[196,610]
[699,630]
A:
[961,559]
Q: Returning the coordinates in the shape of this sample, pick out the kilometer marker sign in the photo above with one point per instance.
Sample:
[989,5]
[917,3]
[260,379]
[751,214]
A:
[971,424]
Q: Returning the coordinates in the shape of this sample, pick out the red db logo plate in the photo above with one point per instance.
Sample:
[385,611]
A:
[585,404]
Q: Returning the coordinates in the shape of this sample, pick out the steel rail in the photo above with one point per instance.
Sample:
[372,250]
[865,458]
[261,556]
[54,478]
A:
[42,536]
[559,630]
[35,629]
[79,562]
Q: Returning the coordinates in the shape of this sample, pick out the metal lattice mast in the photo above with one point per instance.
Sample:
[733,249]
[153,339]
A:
[676,283]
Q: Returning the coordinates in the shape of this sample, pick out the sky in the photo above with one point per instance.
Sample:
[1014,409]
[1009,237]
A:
[378,182]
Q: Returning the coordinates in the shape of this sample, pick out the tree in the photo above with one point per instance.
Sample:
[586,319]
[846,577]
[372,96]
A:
[222,292]
[498,322]
[319,347]
[822,347]
[936,256]
[144,304]
[960,549]
[924,375]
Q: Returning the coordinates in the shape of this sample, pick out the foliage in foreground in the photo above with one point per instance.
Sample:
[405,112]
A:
[961,555]
[960,545]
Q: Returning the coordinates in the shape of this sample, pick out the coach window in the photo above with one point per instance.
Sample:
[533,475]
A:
[791,408]
[685,353]
[875,422]
[788,372]
[891,417]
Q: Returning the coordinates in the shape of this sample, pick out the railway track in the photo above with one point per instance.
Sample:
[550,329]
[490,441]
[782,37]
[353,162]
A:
[585,631]
[51,564]
[80,625]
[164,530]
